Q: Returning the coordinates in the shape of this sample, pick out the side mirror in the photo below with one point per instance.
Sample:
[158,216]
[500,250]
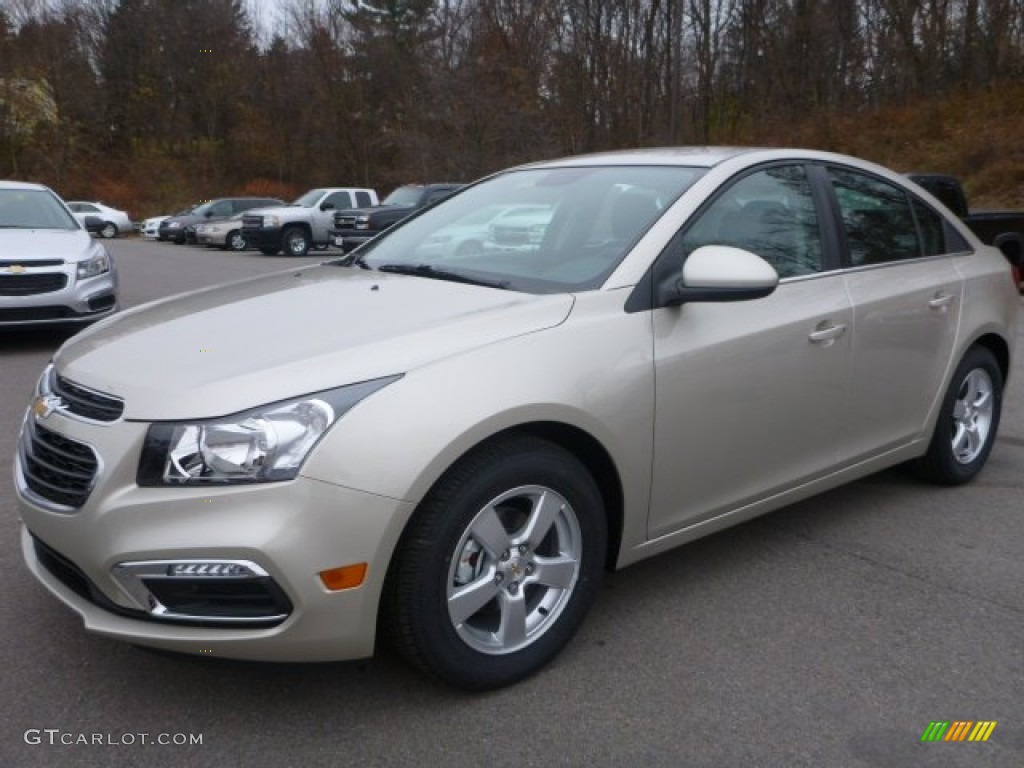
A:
[719,273]
[93,224]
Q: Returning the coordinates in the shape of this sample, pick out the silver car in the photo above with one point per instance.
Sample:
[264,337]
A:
[51,270]
[454,448]
[224,234]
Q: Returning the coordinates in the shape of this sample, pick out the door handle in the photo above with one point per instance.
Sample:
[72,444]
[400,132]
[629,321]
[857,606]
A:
[827,332]
[941,300]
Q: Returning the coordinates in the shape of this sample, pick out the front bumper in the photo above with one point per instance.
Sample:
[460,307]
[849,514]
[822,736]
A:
[350,239]
[264,237]
[291,531]
[76,302]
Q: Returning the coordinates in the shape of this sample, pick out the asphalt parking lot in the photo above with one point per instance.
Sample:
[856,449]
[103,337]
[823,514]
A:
[830,633]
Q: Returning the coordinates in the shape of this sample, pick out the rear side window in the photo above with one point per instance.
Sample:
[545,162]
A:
[877,218]
[363,199]
[938,236]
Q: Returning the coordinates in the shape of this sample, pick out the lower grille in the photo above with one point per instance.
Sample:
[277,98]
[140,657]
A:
[56,468]
[27,314]
[72,577]
[31,284]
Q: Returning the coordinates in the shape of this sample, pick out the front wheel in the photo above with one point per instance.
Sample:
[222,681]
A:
[967,424]
[109,230]
[295,242]
[235,241]
[499,565]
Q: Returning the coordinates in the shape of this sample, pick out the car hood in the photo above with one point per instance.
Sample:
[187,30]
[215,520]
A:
[228,348]
[371,209]
[25,246]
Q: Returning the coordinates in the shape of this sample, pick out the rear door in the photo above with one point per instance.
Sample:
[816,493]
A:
[906,295]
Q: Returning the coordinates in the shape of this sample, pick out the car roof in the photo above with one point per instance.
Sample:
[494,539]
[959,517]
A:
[21,185]
[703,157]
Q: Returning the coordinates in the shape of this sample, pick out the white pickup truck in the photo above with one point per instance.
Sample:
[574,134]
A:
[303,224]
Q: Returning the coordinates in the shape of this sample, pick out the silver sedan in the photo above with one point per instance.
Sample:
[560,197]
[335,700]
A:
[453,447]
[51,270]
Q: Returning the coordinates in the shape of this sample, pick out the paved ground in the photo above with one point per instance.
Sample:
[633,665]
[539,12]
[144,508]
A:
[828,634]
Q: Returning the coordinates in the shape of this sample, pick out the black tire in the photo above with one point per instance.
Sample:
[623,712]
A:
[109,230]
[269,251]
[234,241]
[967,423]
[511,482]
[295,242]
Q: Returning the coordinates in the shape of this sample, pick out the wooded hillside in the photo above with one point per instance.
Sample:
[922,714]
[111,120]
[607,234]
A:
[152,104]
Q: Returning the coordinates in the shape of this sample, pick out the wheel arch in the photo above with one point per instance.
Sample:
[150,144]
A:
[584,447]
[999,347]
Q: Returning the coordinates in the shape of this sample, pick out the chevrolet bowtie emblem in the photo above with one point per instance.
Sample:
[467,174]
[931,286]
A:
[44,405]
[16,269]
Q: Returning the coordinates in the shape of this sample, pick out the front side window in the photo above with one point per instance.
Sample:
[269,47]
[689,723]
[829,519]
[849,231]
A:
[771,213]
[877,219]
[340,200]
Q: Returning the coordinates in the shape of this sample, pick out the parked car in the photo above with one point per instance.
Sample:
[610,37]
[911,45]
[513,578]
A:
[355,226]
[454,450]
[224,234]
[175,228]
[51,270]
[115,222]
[303,224]
[150,228]
[1003,229]
[522,229]
[470,236]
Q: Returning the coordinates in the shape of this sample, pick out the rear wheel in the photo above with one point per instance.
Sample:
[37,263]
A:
[967,424]
[109,230]
[499,565]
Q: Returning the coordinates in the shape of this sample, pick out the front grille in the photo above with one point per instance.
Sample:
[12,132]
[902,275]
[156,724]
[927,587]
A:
[86,402]
[32,283]
[344,222]
[34,263]
[252,222]
[56,468]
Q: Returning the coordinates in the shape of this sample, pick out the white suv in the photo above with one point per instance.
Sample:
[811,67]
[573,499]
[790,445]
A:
[51,270]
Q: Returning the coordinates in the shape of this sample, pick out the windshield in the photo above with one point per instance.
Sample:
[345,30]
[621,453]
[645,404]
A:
[533,230]
[404,196]
[309,199]
[33,209]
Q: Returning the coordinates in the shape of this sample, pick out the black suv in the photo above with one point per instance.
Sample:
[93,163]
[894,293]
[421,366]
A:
[355,226]
[181,227]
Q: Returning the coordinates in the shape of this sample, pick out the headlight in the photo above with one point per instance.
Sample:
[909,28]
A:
[266,444]
[97,265]
[174,225]
[271,221]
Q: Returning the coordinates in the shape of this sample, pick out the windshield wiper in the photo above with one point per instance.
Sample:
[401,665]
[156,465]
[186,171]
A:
[429,270]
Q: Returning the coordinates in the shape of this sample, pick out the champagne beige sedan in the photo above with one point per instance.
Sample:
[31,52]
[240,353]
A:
[449,449]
